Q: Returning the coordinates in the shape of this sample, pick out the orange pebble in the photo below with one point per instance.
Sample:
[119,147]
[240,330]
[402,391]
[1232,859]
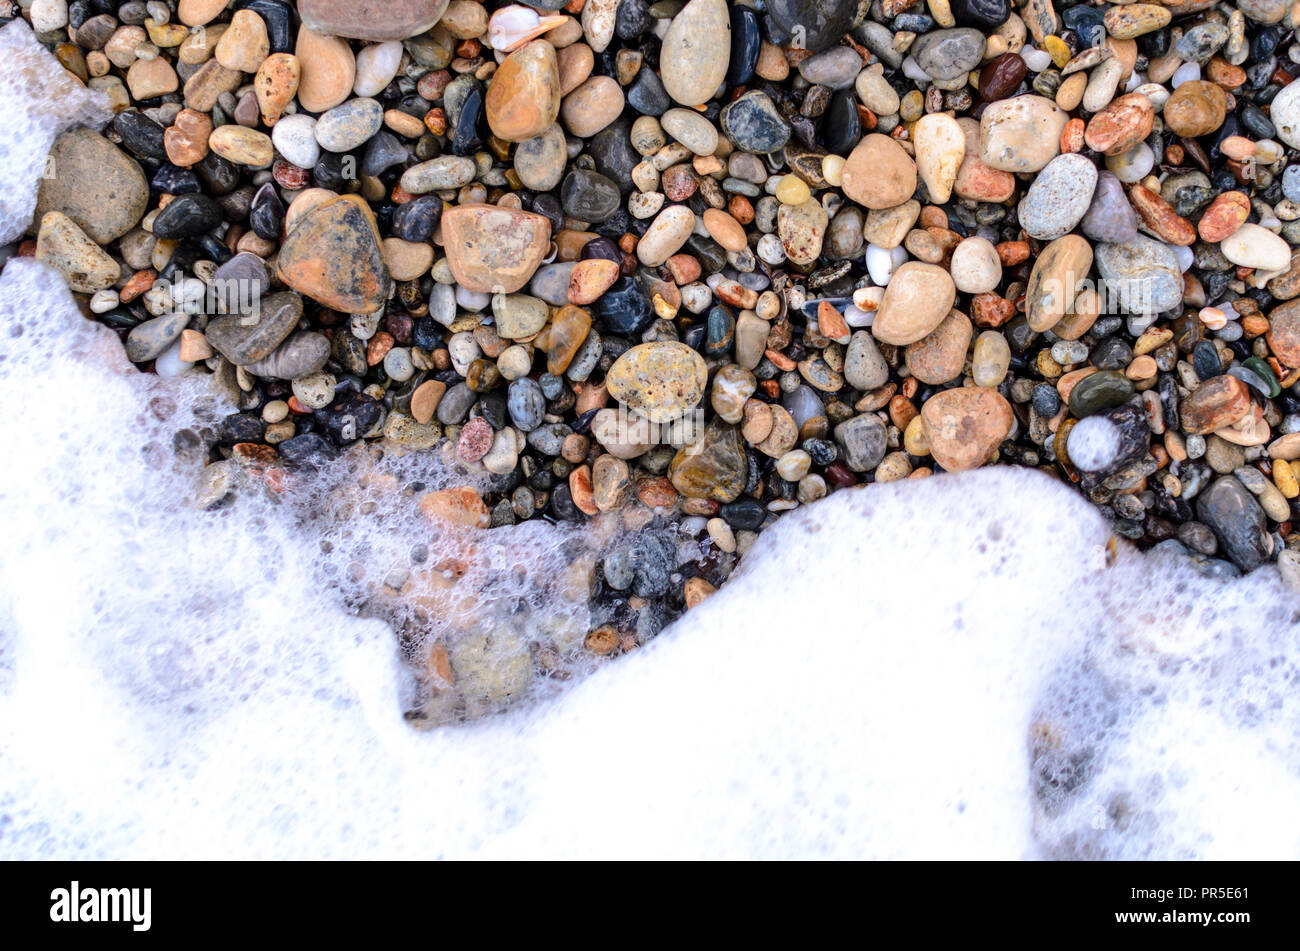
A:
[1072,136]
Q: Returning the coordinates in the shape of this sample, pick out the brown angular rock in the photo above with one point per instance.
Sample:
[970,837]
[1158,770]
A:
[494,250]
[940,355]
[1216,403]
[964,425]
[94,183]
[333,256]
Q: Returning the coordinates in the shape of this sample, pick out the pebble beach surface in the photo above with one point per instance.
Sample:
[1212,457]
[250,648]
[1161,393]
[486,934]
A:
[674,269]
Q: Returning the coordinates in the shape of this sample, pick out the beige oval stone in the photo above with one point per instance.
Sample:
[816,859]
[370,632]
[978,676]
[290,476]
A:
[407,260]
[918,298]
[940,149]
[879,173]
[328,70]
[1054,281]
[696,51]
[494,250]
[665,236]
[940,355]
[243,146]
[592,106]
[1021,134]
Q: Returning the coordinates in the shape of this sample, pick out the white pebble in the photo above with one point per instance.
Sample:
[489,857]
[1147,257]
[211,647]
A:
[1185,257]
[376,67]
[883,262]
[1037,60]
[1185,73]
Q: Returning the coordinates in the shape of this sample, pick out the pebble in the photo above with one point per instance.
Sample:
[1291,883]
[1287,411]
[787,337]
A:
[350,125]
[917,299]
[328,70]
[64,246]
[523,99]
[95,184]
[333,255]
[492,249]
[1059,197]
[879,173]
[662,380]
[965,425]
[696,52]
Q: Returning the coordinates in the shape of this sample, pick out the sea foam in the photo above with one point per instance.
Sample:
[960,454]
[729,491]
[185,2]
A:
[960,667]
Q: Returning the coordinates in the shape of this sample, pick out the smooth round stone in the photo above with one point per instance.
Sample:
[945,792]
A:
[661,380]
[865,368]
[975,266]
[243,341]
[746,43]
[371,19]
[148,340]
[444,172]
[382,153]
[523,99]
[816,24]
[526,404]
[315,390]
[1284,110]
[294,138]
[188,216]
[1059,197]
[665,236]
[987,14]
[333,256]
[696,51]
[691,129]
[416,220]
[590,196]
[141,135]
[1110,218]
[964,426]
[1237,520]
[918,298]
[1196,108]
[85,266]
[95,184]
[836,68]
[879,173]
[623,309]
[844,236]
[948,54]
[841,127]
[377,65]
[990,359]
[350,125]
[1256,247]
[802,230]
[940,148]
[518,316]
[592,106]
[754,124]
[329,70]
[1143,273]
[540,161]
[551,283]
[1021,134]
[1099,392]
[647,94]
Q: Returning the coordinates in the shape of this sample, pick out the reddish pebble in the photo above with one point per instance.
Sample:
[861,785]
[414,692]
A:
[475,440]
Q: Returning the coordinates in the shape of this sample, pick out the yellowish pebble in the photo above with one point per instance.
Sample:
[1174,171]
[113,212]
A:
[792,190]
[941,11]
[914,440]
[1284,478]
[912,106]
[833,170]
[1058,49]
